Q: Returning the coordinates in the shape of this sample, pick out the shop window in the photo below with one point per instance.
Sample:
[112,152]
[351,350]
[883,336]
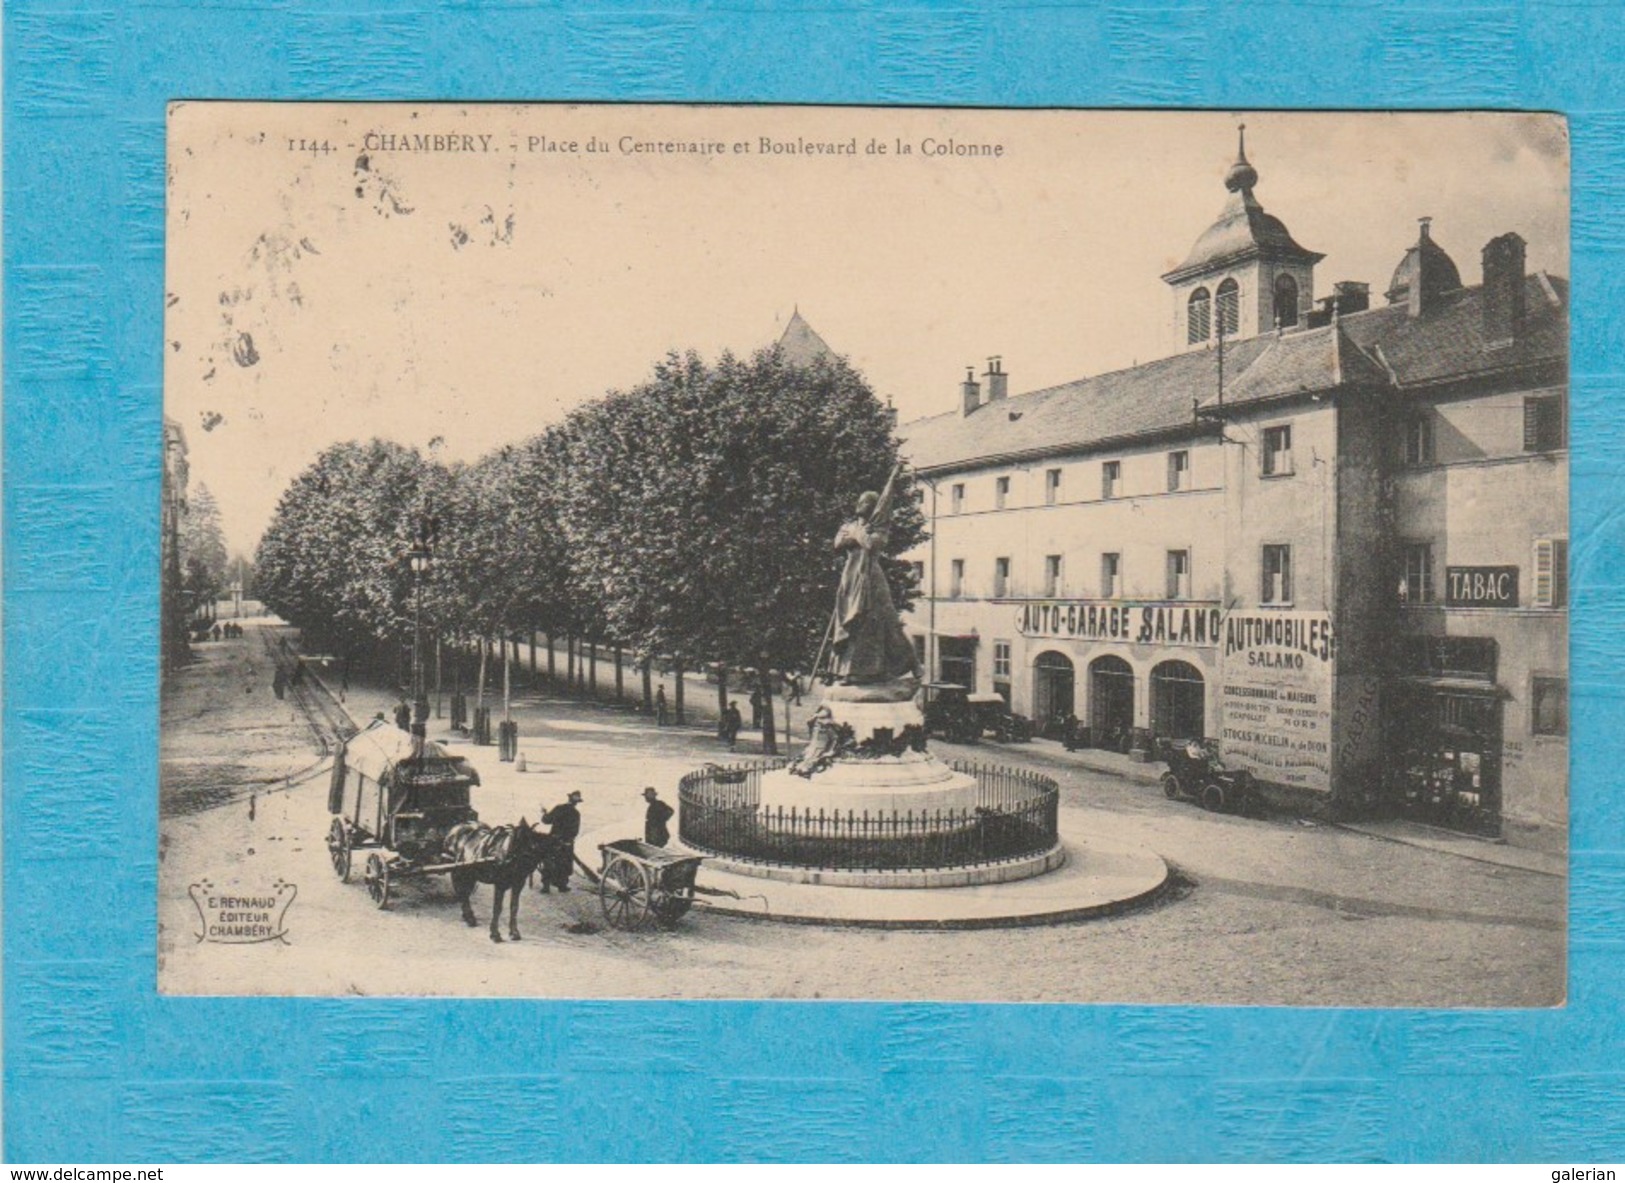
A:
[1052,486]
[1227,306]
[1199,317]
[1416,585]
[1543,426]
[1052,575]
[1551,573]
[956,499]
[1277,588]
[1179,471]
[1179,575]
[956,578]
[1001,578]
[1286,301]
[1001,492]
[1548,706]
[1419,439]
[1451,657]
[1111,576]
[1111,479]
[1001,661]
[1277,456]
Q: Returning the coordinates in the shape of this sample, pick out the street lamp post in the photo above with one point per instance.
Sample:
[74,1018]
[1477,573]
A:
[421,559]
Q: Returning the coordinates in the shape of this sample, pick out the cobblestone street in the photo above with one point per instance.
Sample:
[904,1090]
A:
[1278,911]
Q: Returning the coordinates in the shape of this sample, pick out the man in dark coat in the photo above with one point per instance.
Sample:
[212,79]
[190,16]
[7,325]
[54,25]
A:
[403,716]
[732,721]
[565,824]
[655,831]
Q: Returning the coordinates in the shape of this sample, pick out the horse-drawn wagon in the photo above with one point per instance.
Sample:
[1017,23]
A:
[396,797]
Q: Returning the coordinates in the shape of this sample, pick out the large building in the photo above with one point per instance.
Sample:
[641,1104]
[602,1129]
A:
[1327,534]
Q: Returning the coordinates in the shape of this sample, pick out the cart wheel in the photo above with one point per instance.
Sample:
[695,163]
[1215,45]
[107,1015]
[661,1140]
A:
[338,849]
[377,880]
[624,894]
[1170,785]
[1213,797]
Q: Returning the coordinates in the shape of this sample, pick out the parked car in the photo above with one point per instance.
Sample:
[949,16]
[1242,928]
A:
[994,716]
[1195,771]
[948,713]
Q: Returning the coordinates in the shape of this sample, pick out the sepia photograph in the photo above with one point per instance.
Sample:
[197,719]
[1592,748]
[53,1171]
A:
[909,554]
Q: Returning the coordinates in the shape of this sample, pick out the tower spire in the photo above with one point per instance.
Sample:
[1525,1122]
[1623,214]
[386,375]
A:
[1242,175]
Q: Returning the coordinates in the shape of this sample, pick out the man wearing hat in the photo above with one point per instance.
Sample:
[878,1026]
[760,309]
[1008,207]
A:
[655,818]
[565,823]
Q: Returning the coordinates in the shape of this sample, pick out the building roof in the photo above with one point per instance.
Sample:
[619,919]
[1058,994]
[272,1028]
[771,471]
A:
[801,344]
[1243,230]
[1377,348]
[1428,264]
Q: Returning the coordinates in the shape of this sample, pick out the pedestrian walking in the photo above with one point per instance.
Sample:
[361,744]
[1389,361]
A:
[794,688]
[732,721]
[403,716]
[660,706]
[564,822]
[758,696]
[279,684]
[655,832]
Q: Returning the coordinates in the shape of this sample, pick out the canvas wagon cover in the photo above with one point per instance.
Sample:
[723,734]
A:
[381,748]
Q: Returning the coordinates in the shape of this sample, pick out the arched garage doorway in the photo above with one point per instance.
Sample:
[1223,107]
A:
[1111,702]
[1177,697]
[1053,687]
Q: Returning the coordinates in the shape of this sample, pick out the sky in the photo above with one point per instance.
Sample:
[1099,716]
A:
[329,281]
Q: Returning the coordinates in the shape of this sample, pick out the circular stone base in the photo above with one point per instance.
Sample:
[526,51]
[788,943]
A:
[912,783]
[1004,872]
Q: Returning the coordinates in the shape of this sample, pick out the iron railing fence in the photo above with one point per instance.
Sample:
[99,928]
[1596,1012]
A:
[1016,815]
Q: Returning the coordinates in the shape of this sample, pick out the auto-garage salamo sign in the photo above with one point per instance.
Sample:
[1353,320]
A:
[1481,587]
[1118,620]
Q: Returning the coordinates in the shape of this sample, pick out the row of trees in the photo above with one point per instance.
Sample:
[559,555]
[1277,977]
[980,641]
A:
[688,520]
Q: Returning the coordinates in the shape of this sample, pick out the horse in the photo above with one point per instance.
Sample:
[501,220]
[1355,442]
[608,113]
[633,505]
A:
[504,857]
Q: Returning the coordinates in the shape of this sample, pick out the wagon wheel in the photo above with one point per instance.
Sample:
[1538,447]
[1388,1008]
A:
[624,894]
[1170,785]
[377,880]
[1213,797]
[338,849]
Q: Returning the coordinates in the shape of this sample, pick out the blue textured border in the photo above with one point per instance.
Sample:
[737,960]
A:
[98,1067]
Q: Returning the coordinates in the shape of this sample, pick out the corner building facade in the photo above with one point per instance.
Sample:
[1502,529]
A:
[1335,545]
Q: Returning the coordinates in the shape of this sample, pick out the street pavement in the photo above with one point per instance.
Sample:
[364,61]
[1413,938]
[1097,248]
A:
[1274,911]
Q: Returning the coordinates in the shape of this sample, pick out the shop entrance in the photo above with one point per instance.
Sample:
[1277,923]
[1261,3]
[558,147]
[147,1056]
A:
[1178,695]
[1446,768]
[1053,690]
[1111,703]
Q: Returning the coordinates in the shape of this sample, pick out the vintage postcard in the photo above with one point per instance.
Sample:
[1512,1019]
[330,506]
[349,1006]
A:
[839,553]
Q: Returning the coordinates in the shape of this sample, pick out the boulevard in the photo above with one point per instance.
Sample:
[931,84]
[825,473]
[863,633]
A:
[1279,911]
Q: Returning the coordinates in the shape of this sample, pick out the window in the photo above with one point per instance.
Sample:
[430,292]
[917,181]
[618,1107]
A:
[1052,486]
[1052,575]
[1179,575]
[1419,439]
[1001,492]
[1111,479]
[1229,308]
[1548,706]
[1543,427]
[1286,301]
[1277,574]
[1111,576]
[1001,578]
[1416,585]
[1551,573]
[1001,660]
[956,578]
[1179,471]
[918,568]
[1450,657]
[1198,317]
[1277,451]
[956,499]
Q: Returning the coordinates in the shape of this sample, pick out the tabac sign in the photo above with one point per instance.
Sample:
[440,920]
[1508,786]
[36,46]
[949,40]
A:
[1481,587]
[1116,620]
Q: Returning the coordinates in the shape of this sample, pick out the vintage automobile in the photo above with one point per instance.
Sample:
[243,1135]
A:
[1195,771]
[948,713]
[994,717]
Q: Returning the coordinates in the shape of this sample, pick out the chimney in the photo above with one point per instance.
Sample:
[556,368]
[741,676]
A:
[998,382]
[971,390]
[1503,288]
[1414,296]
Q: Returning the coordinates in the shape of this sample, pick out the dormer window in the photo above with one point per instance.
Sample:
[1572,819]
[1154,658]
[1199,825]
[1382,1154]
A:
[1286,301]
[1229,302]
[1199,317]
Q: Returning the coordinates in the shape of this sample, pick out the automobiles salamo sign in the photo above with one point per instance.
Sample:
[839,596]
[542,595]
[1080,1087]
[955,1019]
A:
[1275,696]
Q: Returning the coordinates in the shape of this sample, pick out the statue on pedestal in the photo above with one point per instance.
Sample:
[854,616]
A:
[869,645]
